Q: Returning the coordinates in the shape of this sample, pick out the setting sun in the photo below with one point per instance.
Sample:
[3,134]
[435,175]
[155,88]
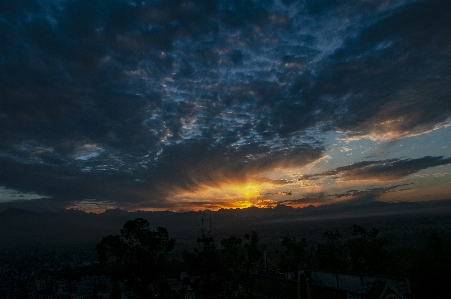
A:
[228,195]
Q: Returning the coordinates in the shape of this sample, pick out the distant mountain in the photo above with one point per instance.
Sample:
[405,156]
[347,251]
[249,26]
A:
[15,212]
[19,227]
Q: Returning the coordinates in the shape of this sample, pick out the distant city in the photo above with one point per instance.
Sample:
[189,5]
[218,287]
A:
[53,255]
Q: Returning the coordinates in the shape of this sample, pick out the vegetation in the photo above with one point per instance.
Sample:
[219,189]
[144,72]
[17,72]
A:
[138,258]
[139,263]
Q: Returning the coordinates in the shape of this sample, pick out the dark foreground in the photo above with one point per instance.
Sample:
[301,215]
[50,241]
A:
[222,255]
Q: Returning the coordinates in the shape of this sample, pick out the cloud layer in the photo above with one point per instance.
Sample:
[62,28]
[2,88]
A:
[133,102]
[381,170]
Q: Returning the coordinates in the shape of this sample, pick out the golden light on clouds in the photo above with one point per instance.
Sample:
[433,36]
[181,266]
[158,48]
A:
[392,129]
[91,206]
[243,191]
[226,195]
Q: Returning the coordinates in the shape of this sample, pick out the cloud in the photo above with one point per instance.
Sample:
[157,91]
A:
[313,198]
[277,193]
[133,101]
[218,166]
[390,80]
[350,196]
[381,170]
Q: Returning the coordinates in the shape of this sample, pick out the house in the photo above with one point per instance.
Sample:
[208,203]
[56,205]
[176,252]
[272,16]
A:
[357,286]
[328,285]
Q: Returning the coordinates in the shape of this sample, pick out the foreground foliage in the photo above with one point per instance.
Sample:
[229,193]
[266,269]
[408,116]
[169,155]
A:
[139,263]
[138,258]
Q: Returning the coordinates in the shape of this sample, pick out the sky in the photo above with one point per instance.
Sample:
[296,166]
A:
[192,105]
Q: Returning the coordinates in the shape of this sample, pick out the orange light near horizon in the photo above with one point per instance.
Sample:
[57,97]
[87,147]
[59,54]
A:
[91,206]
[248,190]
[302,205]
[226,196]
[214,206]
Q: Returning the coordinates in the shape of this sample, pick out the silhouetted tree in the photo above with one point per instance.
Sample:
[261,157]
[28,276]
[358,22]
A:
[137,257]
[332,255]
[253,256]
[204,265]
[294,257]
[367,251]
[432,269]
[233,258]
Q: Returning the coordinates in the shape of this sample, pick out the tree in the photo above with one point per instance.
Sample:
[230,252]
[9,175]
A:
[293,255]
[293,258]
[367,251]
[332,254]
[432,269]
[233,257]
[204,264]
[137,257]
[253,256]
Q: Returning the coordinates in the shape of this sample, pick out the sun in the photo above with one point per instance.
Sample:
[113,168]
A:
[248,191]
[227,195]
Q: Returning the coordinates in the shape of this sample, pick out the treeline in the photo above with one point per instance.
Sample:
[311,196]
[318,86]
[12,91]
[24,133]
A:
[138,260]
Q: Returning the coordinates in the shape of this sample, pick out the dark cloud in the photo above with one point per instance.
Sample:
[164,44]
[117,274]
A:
[313,198]
[279,193]
[350,196]
[381,170]
[181,167]
[392,77]
[369,195]
[133,101]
